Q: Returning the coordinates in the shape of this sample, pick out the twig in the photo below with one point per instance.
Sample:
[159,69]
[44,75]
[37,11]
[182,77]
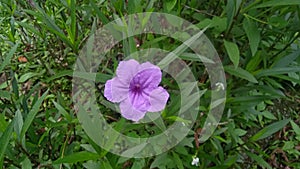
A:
[203,12]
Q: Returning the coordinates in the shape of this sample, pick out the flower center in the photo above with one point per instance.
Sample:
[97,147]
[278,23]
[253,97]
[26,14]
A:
[136,88]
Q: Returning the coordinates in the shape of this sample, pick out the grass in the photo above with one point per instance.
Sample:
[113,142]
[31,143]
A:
[258,44]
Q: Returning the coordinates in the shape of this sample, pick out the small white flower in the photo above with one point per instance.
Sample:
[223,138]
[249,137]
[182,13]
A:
[220,85]
[195,161]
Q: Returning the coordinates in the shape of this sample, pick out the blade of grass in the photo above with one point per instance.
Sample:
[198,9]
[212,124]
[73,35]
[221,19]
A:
[277,3]
[73,21]
[30,28]
[252,33]
[32,114]
[99,13]
[239,72]
[8,57]
[277,71]
[4,140]
[259,160]
[78,157]
[269,130]
[179,50]
[63,111]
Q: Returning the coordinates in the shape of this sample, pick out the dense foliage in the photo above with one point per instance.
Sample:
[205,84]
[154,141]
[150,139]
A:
[258,42]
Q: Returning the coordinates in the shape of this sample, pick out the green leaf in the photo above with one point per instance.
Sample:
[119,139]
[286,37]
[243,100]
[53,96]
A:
[28,75]
[219,24]
[180,49]
[15,86]
[138,163]
[77,157]
[99,13]
[196,57]
[4,94]
[269,115]
[295,127]
[3,123]
[161,160]
[134,150]
[259,160]
[72,36]
[252,33]
[60,74]
[19,123]
[105,163]
[278,3]
[177,160]
[49,23]
[62,111]
[269,130]
[286,60]
[131,6]
[249,99]
[233,52]
[231,160]
[30,28]
[277,71]
[239,72]
[240,132]
[97,77]
[31,115]
[230,10]
[170,4]
[92,165]
[8,57]
[291,79]
[254,62]
[26,164]
[4,140]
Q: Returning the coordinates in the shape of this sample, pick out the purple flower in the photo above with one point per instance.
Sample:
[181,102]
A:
[136,89]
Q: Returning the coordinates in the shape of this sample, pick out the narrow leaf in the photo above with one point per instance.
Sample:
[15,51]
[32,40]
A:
[62,111]
[8,57]
[170,4]
[32,114]
[278,3]
[26,163]
[269,130]
[233,52]
[177,160]
[286,60]
[277,71]
[4,140]
[296,128]
[77,157]
[252,33]
[259,160]
[180,49]
[239,72]
[29,28]
[230,10]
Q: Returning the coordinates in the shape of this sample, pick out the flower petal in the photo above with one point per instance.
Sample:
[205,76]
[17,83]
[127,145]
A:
[129,112]
[139,100]
[108,91]
[115,90]
[158,99]
[147,65]
[149,79]
[126,70]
